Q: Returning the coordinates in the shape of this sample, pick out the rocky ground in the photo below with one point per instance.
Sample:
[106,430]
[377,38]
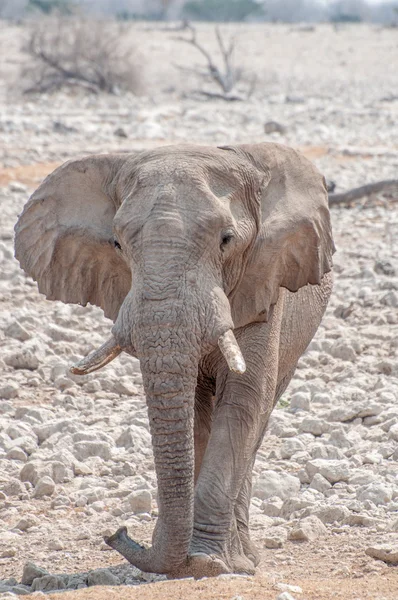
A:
[75,453]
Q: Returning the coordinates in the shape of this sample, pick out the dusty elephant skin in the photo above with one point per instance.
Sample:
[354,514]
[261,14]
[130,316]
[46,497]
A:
[215,266]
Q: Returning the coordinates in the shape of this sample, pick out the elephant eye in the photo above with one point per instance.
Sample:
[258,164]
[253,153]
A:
[116,244]
[225,239]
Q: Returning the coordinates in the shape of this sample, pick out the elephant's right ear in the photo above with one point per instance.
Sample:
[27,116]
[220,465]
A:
[64,237]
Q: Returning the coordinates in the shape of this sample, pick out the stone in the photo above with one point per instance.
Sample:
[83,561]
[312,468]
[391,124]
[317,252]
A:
[343,350]
[332,514]
[346,412]
[300,401]
[140,501]
[102,577]
[16,453]
[16,331]
[332,470]
[275,537]
[388,553]
[31,572]
[27,522]
[308,529]
[27,443]
[83,450]
[12,487]
[376,492]
[134,437]
[120,132]
[270,483]
[290,446]
[9,391]
[272,507]
[274,127]
[32,471]
[295,503]
[286,587]
[384,267]
[125,387]
[319,483]
[44,487]
[393,433]
[17,187]
[21,590]
[48,583]
[55,545]
[22,359]
[285,596]
[314,426]
[390,299]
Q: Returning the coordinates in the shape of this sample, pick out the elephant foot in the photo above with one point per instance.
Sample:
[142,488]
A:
[249,548]
[199,564]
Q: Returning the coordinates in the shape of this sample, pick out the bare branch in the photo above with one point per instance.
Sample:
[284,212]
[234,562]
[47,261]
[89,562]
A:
[362,191]
[91,54]
[228,76]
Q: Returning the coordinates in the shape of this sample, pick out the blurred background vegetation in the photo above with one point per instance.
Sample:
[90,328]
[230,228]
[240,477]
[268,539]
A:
[383,11]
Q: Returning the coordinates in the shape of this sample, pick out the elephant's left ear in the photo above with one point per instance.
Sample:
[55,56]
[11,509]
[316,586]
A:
[64,236]
[294,246]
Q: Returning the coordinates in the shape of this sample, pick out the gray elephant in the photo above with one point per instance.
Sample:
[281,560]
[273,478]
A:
[215,266]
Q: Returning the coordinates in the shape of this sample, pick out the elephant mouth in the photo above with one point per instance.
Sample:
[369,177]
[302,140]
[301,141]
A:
[111,349]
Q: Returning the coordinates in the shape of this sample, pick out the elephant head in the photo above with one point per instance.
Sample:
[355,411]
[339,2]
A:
[179,246]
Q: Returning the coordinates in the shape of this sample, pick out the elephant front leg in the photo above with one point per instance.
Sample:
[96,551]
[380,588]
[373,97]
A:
[244,403]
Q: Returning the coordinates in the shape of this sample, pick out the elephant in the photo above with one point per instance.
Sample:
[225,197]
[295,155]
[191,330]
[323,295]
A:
[215,266]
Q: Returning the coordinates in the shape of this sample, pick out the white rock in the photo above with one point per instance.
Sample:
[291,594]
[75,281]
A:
[83,450]
[386,552]
[343,350]
[140,501]
[16,453]
[44,487]
[27,522]
[393,433]
[9,391]
[275,537]
[134,437]
[300,401]
[295,503]
[272,507]
[308,530]
[102,577]
[22,359]
[16,331]
[376,492]
[125,387]
[271,484]
[320,484]
[314,426]
[332,470]
[285,596]
[290,446]
[332,514]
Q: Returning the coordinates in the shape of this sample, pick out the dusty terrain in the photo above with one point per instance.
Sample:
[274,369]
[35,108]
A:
[75,457]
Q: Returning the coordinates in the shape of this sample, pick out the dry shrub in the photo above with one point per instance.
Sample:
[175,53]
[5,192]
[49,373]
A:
[70,51]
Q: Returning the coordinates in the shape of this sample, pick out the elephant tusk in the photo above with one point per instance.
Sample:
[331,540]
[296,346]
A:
[231,352]
[97,359]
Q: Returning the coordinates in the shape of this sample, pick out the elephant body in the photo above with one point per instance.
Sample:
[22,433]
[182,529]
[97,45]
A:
[215,266]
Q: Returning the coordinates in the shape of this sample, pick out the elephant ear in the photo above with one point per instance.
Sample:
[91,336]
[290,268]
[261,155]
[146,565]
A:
[64,237]
[294,246]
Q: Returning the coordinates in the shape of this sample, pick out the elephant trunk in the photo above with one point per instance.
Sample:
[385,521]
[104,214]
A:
[169,351]
[170,334]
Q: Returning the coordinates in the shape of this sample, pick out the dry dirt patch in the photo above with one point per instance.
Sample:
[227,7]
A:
[383,586]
